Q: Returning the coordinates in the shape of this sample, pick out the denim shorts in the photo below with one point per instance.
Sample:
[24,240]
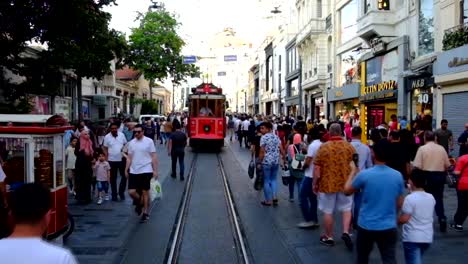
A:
[103,186]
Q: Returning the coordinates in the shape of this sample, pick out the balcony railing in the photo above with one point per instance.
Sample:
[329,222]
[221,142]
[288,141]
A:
[455,37]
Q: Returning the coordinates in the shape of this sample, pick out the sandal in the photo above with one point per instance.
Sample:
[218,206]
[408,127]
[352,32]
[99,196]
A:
[264,203]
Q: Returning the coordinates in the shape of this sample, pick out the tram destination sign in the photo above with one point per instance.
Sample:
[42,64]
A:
[380,91]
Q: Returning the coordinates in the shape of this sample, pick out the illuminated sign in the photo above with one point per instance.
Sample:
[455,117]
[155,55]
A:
[380,91]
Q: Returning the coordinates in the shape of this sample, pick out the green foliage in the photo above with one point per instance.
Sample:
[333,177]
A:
[155,48]
[148,107]
[77,37]
[455,38]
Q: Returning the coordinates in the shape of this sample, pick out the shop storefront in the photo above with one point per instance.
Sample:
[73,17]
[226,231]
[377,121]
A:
[421,89]
[379,91]
[344,102]
[451,78]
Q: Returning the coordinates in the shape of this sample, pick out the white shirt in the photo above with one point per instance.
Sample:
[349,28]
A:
[115,145]
[71,157]
[245,125]
[419,229]
[324,122]
[236,124]
[141,151]
[2,174]
[33,251]
[311,152]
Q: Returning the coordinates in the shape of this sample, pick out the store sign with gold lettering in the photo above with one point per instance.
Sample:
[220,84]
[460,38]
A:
[380,91]
[339,93]
[456,61]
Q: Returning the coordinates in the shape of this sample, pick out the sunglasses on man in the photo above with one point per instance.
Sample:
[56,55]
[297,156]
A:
[137,131]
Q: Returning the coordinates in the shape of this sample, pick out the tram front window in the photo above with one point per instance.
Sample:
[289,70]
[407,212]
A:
[207,108]
[205,111]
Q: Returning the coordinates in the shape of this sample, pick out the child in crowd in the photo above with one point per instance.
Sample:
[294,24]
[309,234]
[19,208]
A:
[102,172]
[70,159]
[417,217]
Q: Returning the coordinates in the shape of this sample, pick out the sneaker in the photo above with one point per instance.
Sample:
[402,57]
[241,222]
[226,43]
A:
[456,227]
[348,241]
[310,224]
[327,241]
[443,225]
[99,200]
[106,198]
[144,218]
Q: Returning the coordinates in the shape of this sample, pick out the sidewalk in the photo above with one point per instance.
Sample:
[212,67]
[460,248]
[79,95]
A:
[101,231]
[446,248]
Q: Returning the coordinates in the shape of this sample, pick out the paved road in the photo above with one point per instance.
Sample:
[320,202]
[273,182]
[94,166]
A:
[111,233]
[102,231]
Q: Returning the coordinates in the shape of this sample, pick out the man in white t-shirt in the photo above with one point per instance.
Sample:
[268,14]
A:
[307,198]
[114,142]
[142,165]
[30,206]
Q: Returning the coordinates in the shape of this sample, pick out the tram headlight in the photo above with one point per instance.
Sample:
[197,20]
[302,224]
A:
[206,128]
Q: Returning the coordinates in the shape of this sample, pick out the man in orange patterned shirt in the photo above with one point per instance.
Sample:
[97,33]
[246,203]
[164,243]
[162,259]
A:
[333,166]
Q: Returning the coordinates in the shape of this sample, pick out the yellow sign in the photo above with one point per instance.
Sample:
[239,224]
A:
[389,85]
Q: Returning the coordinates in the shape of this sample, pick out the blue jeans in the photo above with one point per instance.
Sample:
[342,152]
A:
[178,154]
[270,183]
[291,186]
[308,200]
[414,252]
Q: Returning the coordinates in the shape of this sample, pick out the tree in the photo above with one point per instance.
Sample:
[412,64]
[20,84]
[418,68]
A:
[77,37]
[155,48]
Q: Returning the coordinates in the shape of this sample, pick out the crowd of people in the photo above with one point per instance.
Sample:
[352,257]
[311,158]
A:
[398,179]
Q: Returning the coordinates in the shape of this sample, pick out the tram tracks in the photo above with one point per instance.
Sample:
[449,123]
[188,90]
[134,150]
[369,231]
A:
[174,249]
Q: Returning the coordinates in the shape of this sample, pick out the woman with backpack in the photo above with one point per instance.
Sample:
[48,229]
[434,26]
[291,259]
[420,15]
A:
[296,158]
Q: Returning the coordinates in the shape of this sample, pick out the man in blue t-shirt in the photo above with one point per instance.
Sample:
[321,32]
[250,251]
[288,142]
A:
[382,195]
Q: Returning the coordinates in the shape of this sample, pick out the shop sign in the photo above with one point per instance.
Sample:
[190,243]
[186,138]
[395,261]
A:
[452,61]
[345,92]
[457,62]
[380,91]
[420,83]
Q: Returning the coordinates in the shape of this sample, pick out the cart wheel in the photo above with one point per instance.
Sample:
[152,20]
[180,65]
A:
[70,227]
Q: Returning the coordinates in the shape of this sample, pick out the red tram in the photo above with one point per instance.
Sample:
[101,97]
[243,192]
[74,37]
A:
[207,120]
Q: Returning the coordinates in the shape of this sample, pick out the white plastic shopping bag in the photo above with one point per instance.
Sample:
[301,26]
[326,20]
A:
[155,189]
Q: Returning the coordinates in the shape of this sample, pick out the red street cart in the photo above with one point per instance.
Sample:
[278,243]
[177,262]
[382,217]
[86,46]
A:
[34,152]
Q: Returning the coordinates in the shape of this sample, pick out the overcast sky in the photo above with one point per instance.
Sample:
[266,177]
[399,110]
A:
[201,19]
